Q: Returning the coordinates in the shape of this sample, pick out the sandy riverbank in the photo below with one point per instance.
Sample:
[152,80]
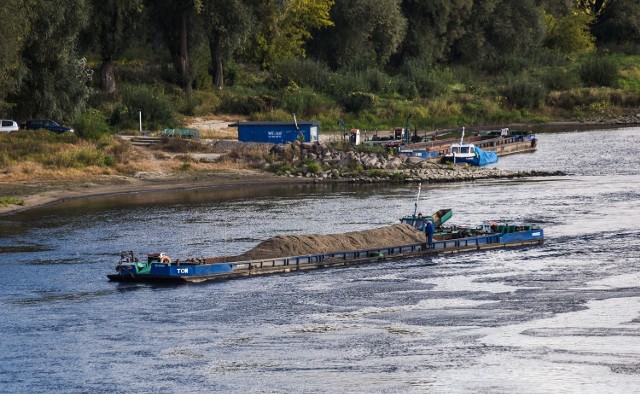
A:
[39,193]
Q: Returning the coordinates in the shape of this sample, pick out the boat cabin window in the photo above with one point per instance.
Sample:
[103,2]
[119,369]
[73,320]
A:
[455,149]
[464,149]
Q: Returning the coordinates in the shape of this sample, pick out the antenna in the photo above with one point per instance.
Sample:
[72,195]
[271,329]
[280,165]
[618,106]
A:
[295,121]
[415,209]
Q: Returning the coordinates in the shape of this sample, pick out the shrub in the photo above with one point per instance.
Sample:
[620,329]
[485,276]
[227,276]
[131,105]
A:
[599,71]
[559,79]
[428,81]
[577,98]
[304,101]
[158,110]
[92,124]
[6,201]
[358,101]
[244,105]
[302,72]
[373,148]
[314,167]
[506,64]
[522,92]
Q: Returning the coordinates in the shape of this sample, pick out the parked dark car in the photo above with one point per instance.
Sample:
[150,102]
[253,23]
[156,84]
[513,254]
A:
[37,124]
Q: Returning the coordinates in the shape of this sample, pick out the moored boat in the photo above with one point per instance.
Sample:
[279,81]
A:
[464,152]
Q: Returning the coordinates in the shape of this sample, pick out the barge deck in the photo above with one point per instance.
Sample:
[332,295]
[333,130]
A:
[129,269]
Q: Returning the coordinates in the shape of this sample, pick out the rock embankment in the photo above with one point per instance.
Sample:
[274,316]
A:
[323,161]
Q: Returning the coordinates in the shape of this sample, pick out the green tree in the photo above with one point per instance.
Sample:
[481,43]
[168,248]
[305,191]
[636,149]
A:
[286,26]
[618,22]
[557,8]
[433,27]
[592,7]
[569,33]
[111,31]
[364,31]
[227,23]
[499,27]
[175,21]
[56,80]
[12,39]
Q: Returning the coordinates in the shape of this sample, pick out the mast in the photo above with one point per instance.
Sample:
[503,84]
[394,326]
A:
[415,209]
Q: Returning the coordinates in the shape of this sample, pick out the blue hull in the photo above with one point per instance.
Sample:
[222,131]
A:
[155,271]
[193,272]
[481,158]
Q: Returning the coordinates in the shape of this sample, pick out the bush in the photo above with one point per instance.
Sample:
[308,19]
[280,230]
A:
[559,79]
[158,110]
[305,102]
[428,81]
[599,71]
[358,101]
[522,92]
[302,72]
[506,64]
[92,124]
[576,98]
[245,105]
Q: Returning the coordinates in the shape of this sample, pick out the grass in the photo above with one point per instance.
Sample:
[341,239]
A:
[6,201]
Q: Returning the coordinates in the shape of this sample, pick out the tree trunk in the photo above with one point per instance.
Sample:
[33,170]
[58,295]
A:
[183,61]
[107,76]
[216,63]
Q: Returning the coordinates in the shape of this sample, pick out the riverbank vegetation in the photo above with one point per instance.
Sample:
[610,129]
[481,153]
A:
[373,65]
[97,64]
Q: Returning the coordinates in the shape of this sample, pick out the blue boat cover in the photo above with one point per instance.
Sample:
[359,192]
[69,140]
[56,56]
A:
[484,158]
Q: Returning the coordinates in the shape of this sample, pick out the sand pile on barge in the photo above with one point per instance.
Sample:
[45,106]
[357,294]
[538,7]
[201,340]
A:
[297,245]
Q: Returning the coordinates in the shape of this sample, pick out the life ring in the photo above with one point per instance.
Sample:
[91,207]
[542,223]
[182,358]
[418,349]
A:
[165,260]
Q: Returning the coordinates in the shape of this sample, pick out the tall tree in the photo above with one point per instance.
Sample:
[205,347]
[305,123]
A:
[111,31]
[569,33]
[500,27]
[56,80]
[592,7]
[12,40]
[433,27]
[175,21]
[557,8]
[364,30]
[227,23]
[618,22]
[286,26]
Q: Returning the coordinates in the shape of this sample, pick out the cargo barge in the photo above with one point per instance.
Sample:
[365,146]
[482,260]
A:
[439,240]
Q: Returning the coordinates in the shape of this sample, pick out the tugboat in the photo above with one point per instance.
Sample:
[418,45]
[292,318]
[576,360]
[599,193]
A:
[463,152]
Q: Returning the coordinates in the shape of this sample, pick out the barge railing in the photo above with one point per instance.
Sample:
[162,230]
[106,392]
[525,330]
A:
[345,257]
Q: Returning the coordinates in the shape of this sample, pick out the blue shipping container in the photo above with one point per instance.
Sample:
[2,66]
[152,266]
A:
[277,132]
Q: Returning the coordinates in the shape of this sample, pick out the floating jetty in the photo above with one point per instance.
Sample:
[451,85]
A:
[420,235]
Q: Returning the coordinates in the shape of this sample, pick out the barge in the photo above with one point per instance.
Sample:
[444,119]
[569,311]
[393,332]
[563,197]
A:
[158,267]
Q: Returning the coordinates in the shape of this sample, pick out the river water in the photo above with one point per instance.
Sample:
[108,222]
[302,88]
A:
[562,317]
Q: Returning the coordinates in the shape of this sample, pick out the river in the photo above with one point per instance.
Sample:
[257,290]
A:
[562,317]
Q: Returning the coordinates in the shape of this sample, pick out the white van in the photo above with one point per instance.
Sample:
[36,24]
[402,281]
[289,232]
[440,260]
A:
[7,126]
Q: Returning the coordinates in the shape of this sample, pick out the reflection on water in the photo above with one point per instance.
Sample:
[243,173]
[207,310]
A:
[560,317]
